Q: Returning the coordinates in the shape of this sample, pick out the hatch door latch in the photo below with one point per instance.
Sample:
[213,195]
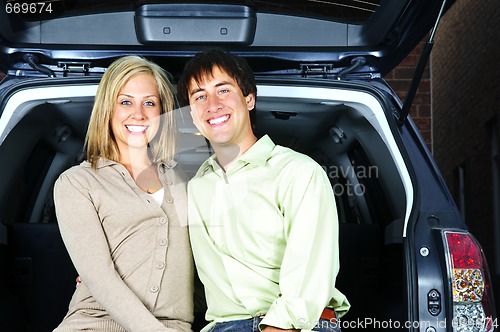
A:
[314,69]
[74,67]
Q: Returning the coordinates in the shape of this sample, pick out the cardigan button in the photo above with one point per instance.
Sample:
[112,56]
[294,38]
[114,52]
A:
[170,199]
[160,265]
[154,289]
[163,242]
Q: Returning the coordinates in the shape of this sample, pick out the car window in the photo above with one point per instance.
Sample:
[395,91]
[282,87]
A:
[338,10]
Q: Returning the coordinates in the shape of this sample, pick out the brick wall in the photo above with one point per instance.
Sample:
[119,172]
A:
[466,102]
[400,78]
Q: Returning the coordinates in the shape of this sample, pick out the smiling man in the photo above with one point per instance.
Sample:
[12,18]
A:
[262,217]
[220,111]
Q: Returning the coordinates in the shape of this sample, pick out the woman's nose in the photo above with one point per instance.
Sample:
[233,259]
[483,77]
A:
[138,112]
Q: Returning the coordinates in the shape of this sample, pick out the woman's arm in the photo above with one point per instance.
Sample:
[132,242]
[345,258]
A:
[88,248]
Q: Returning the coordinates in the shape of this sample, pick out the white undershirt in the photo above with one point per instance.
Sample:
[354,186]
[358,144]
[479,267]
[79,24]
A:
[158,196]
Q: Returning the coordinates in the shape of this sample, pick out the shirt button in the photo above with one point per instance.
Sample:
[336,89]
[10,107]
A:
[163,242]
[160,265]
[163,221]
[170,199]
[154,289]
[170,182]
[162,170]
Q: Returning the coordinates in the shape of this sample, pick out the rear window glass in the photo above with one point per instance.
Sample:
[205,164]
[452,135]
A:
[337,10]
[354,11]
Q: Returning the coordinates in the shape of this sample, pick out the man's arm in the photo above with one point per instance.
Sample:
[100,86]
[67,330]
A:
[311,260]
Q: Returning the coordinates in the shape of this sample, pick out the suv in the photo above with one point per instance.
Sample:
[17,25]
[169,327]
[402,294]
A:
[408,261]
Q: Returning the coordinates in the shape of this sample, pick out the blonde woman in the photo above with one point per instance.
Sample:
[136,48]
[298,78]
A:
[122,212]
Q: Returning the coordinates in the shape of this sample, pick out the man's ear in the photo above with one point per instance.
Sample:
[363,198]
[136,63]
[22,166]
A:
[250,100]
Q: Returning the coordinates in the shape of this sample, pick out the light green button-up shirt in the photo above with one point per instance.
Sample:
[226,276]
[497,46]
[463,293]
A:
[264,236]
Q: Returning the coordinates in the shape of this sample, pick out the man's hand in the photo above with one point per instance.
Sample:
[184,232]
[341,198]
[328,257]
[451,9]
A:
[275,329]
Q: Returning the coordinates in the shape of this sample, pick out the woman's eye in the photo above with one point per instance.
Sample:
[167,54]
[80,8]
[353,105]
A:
[125,102]
[149,103]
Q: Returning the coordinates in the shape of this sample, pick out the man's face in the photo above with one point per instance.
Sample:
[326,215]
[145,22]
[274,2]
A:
[219,109]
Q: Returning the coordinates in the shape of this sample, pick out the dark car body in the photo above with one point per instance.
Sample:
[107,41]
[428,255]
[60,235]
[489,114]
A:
[408,261]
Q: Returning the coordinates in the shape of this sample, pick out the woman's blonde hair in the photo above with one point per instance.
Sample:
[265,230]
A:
[100,141]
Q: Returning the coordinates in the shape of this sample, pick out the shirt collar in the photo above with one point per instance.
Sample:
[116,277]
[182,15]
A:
[260,152]
[102,162]
[257,154]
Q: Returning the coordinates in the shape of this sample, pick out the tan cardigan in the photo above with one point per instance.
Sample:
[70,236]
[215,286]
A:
[133,256]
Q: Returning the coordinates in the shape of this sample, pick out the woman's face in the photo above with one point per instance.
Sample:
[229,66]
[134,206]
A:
[136,117]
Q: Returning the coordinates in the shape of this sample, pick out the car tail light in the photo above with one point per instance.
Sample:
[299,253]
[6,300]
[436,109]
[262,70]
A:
[470,284]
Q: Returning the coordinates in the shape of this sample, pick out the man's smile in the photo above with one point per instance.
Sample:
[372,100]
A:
[219,120]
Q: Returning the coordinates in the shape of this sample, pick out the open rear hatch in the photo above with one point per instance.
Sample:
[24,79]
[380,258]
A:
[271,34]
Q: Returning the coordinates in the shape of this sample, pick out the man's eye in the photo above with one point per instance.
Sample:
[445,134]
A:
[200,98]
[224,91]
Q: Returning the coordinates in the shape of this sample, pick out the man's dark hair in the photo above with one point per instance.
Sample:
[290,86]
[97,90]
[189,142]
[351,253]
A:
[202,64]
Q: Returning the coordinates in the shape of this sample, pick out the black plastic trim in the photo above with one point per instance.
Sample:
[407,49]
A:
[187,23]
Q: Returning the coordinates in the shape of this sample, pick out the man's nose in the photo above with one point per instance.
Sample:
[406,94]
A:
[214,104]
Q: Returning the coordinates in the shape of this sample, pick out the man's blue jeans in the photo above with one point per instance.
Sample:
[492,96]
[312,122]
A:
[252,325]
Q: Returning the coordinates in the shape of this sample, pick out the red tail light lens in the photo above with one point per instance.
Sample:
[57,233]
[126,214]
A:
[469,277]
[464,252]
